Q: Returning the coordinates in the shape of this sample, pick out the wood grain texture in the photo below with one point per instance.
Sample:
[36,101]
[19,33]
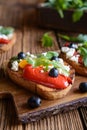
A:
[22,16]
[19,96]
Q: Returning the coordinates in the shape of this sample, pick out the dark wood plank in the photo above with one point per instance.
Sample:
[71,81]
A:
[21,17]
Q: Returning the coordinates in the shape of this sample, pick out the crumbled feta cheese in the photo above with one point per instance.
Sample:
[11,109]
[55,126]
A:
[14,66]
[66,67]
[3,36]
[50,66]
[60,60]
[65,49]
[75,45]
[28,54]
[70,53]
[44,53]
[66,83]
[32,56]
[60,71]
[75,58]
[42,71]
[20,60]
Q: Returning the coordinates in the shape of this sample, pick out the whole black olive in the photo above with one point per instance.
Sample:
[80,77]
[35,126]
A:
[21,55]
[53,72]
[83,87]
[54,58]
[34,102]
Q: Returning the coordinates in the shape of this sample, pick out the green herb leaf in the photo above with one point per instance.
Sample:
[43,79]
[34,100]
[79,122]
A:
[6,30]
[48,55]
[79,38]
[47,40]
[78,7]
[85,60]
[83,52]
[31,61]
[77,15]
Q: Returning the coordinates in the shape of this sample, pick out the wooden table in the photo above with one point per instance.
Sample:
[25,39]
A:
[23,16]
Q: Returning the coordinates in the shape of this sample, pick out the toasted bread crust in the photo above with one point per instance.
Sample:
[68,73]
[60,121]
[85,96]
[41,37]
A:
[6,47]
[80,69]
[43,91]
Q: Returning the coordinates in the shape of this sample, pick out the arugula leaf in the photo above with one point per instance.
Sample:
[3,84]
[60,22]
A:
[77,15]
[48,55]
[31,61]
[83,52]
[85,60]
[6,30]
[79,38]
[47,40]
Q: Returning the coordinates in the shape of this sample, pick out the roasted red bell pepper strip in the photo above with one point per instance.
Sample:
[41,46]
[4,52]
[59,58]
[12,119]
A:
[4,41]
[35,75]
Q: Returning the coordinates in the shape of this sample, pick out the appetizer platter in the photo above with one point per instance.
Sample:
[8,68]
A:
[42,85]
[7,38]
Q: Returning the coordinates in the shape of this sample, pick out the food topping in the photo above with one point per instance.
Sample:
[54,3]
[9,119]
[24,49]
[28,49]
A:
[21,55]
[35,75]
[53,72]
[6,34]
[22,63]
[45,68]
[55,58]
[76,52]
[14,66]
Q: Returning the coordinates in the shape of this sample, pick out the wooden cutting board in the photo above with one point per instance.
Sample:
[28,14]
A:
[19,97]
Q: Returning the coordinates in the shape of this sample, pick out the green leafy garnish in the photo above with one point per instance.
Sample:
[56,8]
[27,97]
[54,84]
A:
[6,30]
[48,55]
[15,58]
[44,59]
[78,6]
[79,38]
[83,52]
[47,40]
[30,61]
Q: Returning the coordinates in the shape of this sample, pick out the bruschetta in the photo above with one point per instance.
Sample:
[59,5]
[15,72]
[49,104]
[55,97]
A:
[7,38]
[44,74]
[76,55]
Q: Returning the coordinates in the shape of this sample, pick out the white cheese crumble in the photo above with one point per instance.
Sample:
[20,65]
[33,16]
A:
[75,46]
[60,60]
[66,83]
[75,58]
[28,54]
[65,49]
[14,66]
[42,71]
[44,53]
[3,36]
[66,67]
[32,56]
[70,53]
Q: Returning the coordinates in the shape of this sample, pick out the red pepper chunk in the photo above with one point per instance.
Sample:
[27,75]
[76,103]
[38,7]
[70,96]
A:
[35,75]
[4,41]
